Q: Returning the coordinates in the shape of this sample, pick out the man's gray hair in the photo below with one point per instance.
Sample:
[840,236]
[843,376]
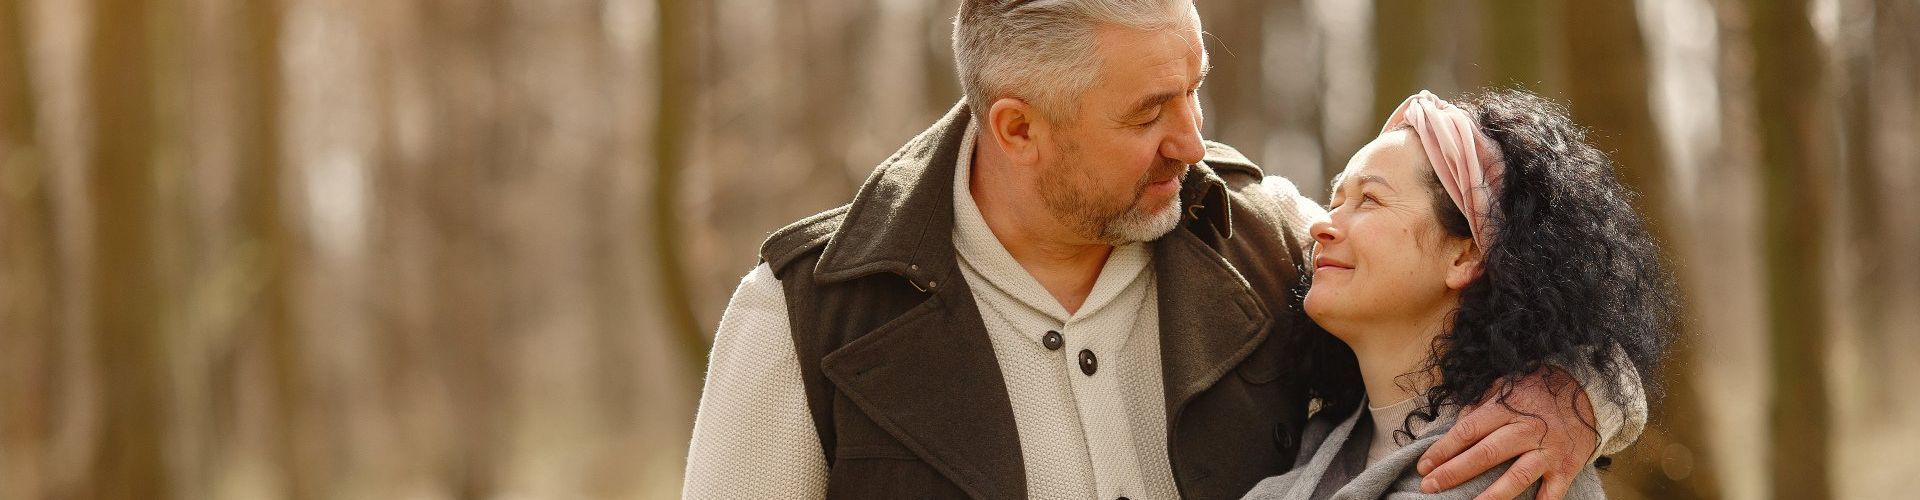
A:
[1042,51]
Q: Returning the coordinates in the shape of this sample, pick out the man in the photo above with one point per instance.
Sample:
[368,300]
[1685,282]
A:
[1057,291]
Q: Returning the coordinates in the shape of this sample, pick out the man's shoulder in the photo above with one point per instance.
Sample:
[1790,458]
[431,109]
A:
[804,236]
[1272,200]
[1229,163]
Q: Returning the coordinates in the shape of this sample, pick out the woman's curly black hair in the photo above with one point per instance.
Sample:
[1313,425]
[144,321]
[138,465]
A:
[1570,275]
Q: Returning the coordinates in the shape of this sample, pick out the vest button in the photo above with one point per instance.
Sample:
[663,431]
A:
[1284,438]
[1088,364]
[1052,340]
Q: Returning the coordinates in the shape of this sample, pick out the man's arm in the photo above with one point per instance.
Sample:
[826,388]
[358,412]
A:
[753,436]
[1553,448]
[1619,424]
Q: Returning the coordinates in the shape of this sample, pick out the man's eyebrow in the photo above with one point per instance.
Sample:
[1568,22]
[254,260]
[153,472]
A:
[1141,106]
[1152,101]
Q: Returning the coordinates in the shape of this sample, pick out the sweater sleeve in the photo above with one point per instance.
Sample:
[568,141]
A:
[753,436]
[1619,424]
[1296,211]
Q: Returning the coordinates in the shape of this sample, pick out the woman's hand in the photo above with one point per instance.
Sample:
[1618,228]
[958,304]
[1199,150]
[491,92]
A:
[1548,433]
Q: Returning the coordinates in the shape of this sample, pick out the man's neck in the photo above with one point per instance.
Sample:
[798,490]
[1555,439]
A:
[1048,250]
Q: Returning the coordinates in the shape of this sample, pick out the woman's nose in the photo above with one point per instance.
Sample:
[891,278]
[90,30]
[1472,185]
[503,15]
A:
[1324,232]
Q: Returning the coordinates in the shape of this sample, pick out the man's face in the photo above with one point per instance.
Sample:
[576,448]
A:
[1116,167]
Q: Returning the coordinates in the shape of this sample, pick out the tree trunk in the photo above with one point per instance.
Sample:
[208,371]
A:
[266,233]
[1866,191]
[1401,49]
[1514,43]
[470,314]
[1790,109]
[129,461]
[30,324]
[1609,95]
[1608,90]
[673,116]
[1236,113]
[936,61]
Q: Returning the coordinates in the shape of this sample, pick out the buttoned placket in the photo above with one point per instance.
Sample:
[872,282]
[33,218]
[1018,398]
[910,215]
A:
[1096,333]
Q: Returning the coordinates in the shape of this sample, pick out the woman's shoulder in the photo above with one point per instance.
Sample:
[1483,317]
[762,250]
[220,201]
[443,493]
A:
[1396,477]
[1586,486]
[1325,434]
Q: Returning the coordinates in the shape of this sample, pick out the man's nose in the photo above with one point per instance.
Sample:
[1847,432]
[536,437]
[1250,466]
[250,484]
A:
[1184,144]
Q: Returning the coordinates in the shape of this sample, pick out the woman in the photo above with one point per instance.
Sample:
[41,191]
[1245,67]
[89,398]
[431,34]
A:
[1467,245]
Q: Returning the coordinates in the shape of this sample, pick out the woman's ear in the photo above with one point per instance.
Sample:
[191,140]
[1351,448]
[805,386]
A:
[1466,264]
[1017,128]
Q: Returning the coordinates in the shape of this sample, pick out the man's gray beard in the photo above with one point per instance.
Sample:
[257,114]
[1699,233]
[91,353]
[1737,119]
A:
[1136,225]
[1129,224]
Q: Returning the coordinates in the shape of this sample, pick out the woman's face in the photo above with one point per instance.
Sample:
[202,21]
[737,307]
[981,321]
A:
[1381,256]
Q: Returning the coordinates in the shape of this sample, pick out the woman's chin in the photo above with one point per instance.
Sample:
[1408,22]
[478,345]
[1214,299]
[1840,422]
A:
[1318,306]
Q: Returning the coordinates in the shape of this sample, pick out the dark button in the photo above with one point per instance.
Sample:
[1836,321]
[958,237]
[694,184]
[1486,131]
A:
[1052,340]
[1284,437]
[1088,364]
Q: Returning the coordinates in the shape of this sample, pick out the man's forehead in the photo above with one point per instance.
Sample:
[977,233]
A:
[1163,57]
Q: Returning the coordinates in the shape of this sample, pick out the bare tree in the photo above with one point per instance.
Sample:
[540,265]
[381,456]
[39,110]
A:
[1234,87]
[1401,47]
[30,323]
[129,460]
[1879,54]
[673,115]
[1608,91]
[1515,44]
[266,233]
[1791,108]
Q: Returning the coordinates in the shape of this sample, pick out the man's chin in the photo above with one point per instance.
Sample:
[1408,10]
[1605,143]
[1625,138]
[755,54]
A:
[1141,226]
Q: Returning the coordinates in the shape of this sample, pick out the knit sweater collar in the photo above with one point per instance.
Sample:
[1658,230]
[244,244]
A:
[981,250]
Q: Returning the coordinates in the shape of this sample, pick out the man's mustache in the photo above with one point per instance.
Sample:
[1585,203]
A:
[1168,169]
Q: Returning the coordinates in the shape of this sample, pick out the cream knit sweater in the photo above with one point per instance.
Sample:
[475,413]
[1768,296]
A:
[1098,436]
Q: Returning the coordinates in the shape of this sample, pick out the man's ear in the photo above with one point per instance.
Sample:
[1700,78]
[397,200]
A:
[1467,260]
[1018,128]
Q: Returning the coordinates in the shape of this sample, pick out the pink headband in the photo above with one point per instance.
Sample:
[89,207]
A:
[1464,158]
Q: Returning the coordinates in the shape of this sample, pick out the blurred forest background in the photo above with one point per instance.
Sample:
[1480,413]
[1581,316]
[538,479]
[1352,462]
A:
[344,249]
